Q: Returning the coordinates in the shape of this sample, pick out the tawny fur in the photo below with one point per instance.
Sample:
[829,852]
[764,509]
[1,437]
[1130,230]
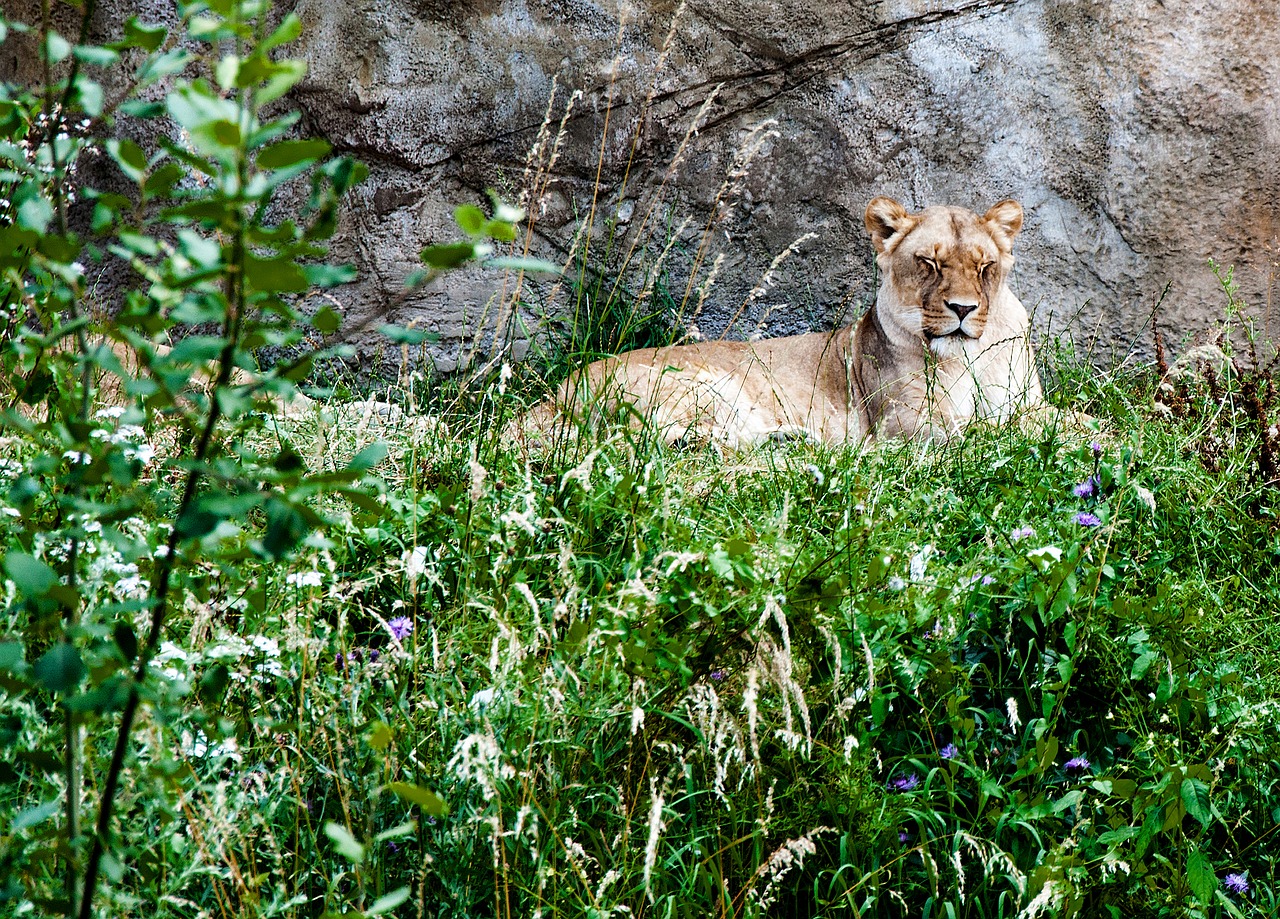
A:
[946,343]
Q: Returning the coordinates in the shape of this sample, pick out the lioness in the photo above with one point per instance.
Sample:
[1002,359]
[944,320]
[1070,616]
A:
[945,343]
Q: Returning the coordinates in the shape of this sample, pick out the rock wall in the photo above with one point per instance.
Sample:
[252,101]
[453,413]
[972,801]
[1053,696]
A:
[1143,138]
[734,145]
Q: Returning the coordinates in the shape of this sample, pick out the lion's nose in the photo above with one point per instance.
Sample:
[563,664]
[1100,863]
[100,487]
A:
[961,309]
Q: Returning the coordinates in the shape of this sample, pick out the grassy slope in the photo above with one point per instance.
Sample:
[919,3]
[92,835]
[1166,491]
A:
[791,682]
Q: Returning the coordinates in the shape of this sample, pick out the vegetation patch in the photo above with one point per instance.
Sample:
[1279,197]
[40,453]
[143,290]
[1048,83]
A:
[260,662]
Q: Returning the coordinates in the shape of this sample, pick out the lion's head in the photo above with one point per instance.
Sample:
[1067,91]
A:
[943,267]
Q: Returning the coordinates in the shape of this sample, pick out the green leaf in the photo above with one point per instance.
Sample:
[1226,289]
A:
[35,815]
[1195,795]
[56,47]
[287,75]
[11,657]
[225,132]
[344,842]
[274,275]
[289,152]
[470,219]
[388,902]
[522,263]
[367,458]
[213,683]
[380,735]
[141,35]
[125,639]
[286,527]
[326,320]
[324,275]
[500,230]
[32,577]
[226,70]
[287,31]
[1200,877]
[402,336]
[32,211]
[89,93]
[430,802]
[129,157]
[60,669]
[448,255]
[96,55]
[399,831]
[1142,664]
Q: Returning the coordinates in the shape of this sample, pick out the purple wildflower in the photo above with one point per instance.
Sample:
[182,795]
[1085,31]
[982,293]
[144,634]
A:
[904,836]
[1076,764]
[1088,488]
[400,627]
[1237,883]
[1023,533]
[1096,448]
[392,848]
[718,675]
[905,782]
[987,580]
[1086,519]
[950,751]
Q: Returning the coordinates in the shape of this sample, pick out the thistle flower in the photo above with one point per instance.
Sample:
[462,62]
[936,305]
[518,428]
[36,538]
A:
[950,751]
[904,782]
[401,627]
[1237,883]
[1088,488]
[1085,519]
[1076,764]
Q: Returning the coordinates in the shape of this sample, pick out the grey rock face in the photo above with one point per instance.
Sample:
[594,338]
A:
[1143,139]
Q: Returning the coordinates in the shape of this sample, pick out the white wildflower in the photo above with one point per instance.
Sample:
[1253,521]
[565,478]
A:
[415,561]
[478,758]
[268,646]
[655,833]
[789,857]
[850,744]
[1045,557]
[919,562]
[1011,709]
[304,579]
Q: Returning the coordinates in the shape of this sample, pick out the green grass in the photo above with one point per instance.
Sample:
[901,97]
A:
[796,681]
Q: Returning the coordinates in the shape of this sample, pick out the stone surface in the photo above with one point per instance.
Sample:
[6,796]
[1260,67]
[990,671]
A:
[1143,139]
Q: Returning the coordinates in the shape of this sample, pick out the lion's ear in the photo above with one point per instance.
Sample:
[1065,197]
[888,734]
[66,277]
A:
[885,218]
[1004,222]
